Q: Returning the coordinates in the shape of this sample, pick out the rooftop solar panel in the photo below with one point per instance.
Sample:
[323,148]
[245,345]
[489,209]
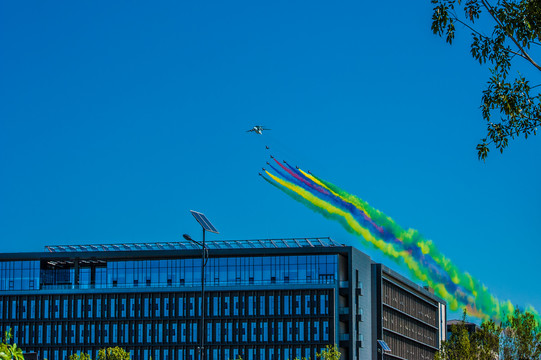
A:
[204,222]
[384,346]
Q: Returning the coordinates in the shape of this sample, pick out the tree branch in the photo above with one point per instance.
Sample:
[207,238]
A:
[526,56]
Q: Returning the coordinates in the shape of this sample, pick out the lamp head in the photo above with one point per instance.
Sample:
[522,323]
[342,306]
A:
[187,237]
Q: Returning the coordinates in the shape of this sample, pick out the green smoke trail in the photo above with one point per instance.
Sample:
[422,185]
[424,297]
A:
[468,291]
[483,298]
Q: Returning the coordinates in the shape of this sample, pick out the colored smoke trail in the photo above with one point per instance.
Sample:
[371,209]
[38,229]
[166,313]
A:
[405,247]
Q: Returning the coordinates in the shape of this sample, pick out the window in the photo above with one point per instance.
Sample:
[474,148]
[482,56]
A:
[115,333]
[106,333]
[253,332]
[81,334]
[271,305]
[287,301]
[79,308]
[132,307]
[98,308]
[112,312]
[146,306]
[123,308]
[45,309]
[215,306]
[226,306]
[289,332]
[89,308]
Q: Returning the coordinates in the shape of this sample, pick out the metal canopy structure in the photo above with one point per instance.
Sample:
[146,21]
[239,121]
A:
[186,245]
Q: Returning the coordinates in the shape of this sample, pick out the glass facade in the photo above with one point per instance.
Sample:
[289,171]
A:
[260,304]
[224,271]
[167,324]
[19,275]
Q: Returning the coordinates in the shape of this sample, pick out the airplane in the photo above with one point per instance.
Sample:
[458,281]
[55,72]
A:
[258,129]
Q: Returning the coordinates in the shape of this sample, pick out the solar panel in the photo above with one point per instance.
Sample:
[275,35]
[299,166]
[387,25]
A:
[204,222]
[384,346]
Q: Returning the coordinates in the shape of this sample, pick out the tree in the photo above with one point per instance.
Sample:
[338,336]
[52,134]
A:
[329,353]
[9,351]
[458,346]
[521,338]
[486,341]
[511,106]
[113,353]
[518,338]
[82,356]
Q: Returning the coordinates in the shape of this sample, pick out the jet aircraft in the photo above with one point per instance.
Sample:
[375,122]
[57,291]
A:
[258,129]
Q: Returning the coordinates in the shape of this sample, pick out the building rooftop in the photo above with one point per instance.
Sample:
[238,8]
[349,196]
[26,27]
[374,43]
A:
[214,244]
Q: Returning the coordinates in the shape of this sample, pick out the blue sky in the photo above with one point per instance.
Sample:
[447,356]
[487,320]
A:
[117,119]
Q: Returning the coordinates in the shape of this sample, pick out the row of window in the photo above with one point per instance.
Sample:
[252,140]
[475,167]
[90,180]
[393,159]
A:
[186,332]
[407,349]
[403,324]
[168,305]
[258,270]
[184,353]
[408,303]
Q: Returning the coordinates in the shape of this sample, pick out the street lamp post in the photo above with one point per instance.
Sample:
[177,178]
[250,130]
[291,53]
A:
[207,226]
[204,259]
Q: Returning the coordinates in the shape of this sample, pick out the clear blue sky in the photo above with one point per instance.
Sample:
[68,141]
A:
[117,119]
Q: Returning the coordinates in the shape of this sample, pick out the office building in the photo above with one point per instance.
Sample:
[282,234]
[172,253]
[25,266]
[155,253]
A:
[264,299]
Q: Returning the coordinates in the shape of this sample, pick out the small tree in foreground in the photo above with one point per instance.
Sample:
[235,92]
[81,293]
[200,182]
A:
[8,351]
[113,353]
[82,356]
[330,353]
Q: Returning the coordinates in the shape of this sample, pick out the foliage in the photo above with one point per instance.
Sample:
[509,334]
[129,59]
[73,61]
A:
[113,353]
[486,340]
[457,346]
[521,338]
[8,351]
[510,31]
[329,353]
[82,356]
[518,338]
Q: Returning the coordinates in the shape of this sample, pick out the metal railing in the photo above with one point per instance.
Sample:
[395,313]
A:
[187,284]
